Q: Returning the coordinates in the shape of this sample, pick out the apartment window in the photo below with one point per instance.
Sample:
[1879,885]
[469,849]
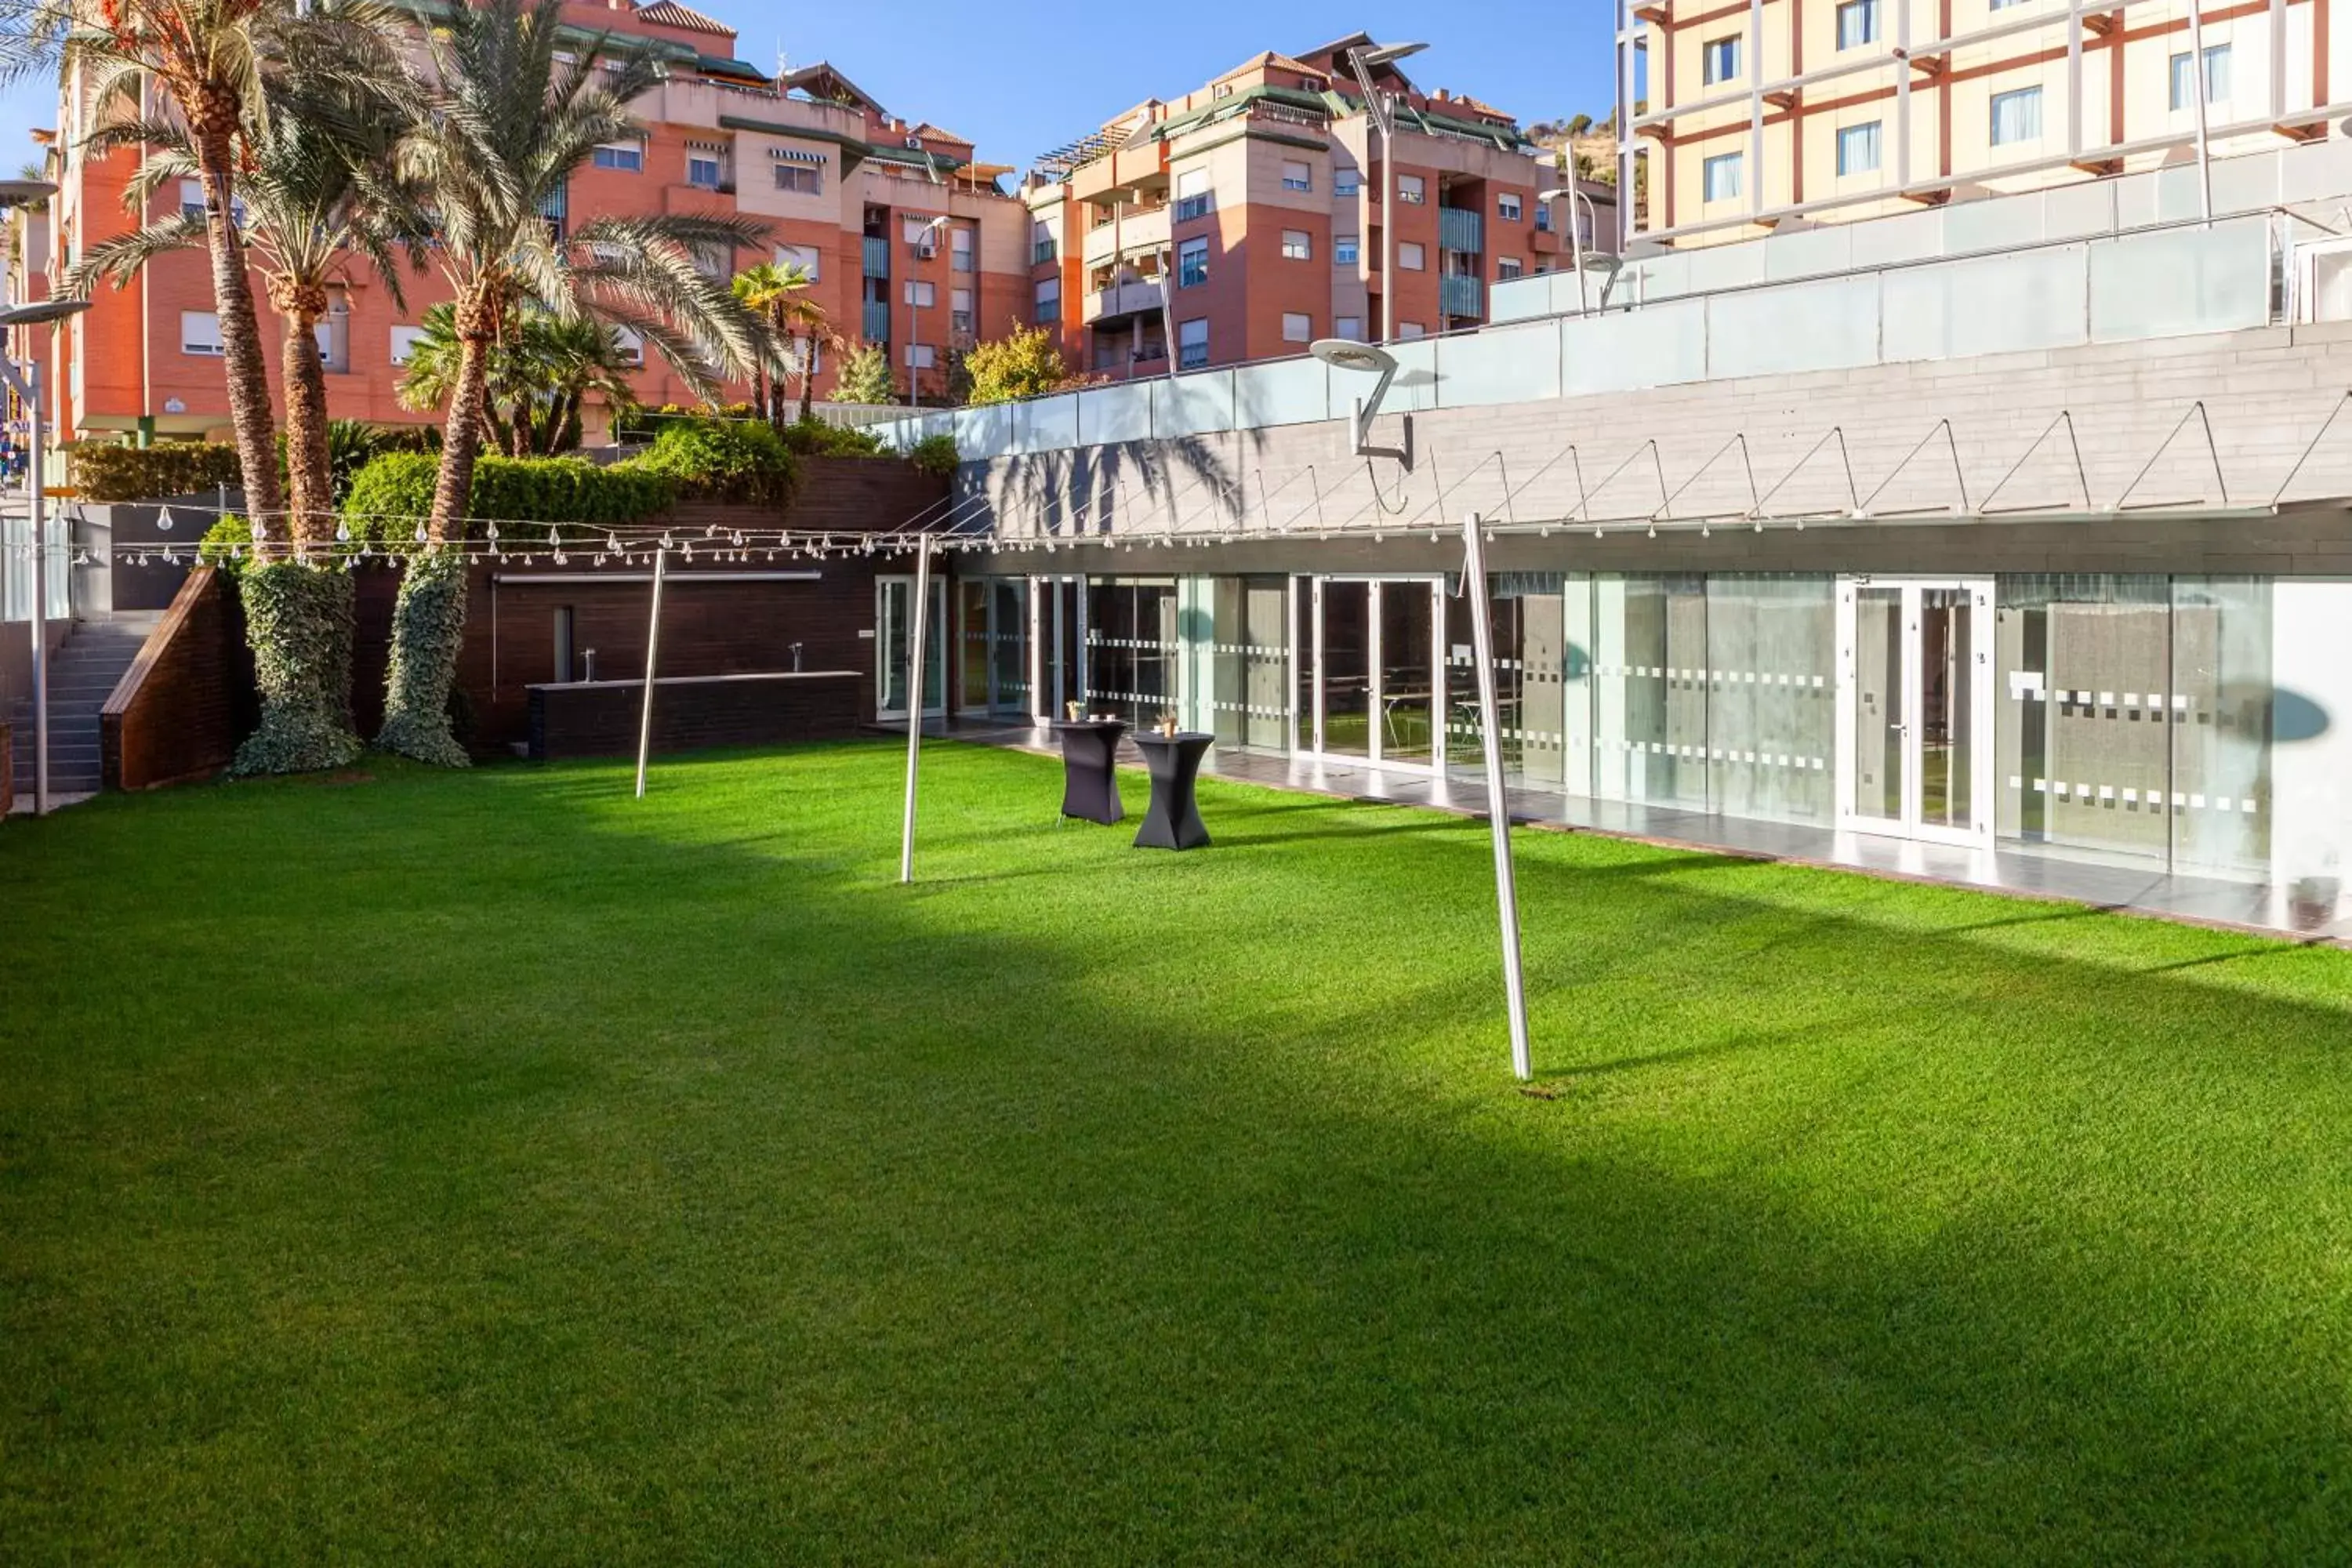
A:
[1507,206]
[1508,266]
[1409,330]
[702,169]
[1343,251]
[1410,189]
[1719,177]
[920,295]
[191,203]
[2016,116]
[403,342]
[801,179]
[1192,263]
[959,309]
[1296,176]
[1719,58]
[1346,181]
[1192,195]
[1348,327]
[920,234]
[1192,343]
[812,351]
[1297,327]
[716,262]
[959,250]
[809,258]
[199,332]
[1857,24]
[628,157]
[1049,299]
[1543,217]
[1297,245]
[1411,258]
[1857,149]
[2217,77]
[920,356]
[632,346]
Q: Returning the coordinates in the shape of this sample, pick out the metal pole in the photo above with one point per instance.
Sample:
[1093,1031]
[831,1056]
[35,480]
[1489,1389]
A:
[921,631]
[1387,218]
[40,604]
[2197,90]
[1498,812]
[653,639]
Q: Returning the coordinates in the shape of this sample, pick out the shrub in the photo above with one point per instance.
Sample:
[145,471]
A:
[936,455]
[647,424]
[721,460]
[394,493]
[221,542]
[103,471]
[815,438]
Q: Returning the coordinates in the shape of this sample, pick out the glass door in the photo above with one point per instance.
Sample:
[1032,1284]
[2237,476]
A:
[1371,686]
[894,622]
[1915,676]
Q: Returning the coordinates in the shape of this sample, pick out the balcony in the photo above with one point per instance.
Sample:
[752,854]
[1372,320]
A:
[1143,231]
[1121,300]
[878,320]
[1459,228]
[1460,297]
[877,257]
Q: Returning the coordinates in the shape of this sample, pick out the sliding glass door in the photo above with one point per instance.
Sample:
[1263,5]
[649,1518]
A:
[1372,687]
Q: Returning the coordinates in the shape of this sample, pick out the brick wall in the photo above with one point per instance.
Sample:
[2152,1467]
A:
[693,712]
[187,701]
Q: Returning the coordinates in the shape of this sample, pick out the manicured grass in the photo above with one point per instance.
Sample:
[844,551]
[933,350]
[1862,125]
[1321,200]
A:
[496,1169]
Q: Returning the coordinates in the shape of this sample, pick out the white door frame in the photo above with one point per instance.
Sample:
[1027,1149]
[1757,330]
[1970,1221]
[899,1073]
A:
[1978,678]
[1310,659]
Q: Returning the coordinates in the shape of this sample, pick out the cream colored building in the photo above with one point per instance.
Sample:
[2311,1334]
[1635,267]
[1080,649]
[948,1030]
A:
[1751,113]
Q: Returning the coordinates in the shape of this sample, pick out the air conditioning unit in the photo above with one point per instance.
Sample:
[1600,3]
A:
[916,143]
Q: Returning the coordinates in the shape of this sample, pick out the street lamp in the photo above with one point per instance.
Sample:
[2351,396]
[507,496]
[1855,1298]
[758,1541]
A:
[1600,261]
[42,313]
[1382,111]
[1346,353]
[915,314]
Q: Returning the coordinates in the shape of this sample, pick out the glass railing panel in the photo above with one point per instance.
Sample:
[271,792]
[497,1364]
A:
[1506,365]
[1049,425]
[1107,414]
[2002,304]
[2181,281]
[1192,404]
[1520,299]
[1829,325]
[1283,392]
[1661,346]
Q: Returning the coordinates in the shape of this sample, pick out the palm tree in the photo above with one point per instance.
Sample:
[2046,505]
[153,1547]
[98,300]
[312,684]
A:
[778,292]
[209,60]
[301,152]
[501,123]
[541,373]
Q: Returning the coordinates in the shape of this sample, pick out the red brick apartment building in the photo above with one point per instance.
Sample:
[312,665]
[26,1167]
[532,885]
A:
[1258,195]
[851,192]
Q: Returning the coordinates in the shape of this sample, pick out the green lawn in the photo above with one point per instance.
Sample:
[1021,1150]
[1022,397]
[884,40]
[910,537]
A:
[494,1168]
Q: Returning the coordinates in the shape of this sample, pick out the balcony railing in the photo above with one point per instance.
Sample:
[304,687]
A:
[877,257]
[1458,296]
[878,322]
[1459,228]
[1124,300]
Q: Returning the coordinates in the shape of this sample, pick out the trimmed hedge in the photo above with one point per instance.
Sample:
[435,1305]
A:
[103,471]
[936,455]
[394,493]
[713,460]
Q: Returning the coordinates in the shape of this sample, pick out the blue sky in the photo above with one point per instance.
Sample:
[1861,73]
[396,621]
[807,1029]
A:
[1020,79]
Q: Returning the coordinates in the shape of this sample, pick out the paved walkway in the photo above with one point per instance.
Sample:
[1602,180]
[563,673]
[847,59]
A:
[2035,873]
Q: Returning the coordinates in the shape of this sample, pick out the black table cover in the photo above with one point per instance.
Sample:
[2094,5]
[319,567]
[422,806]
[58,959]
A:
[1089,786]
[1173,821]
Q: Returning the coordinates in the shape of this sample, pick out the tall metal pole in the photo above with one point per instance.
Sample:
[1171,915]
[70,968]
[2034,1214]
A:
[40,600]
[653,640]
[1498,811]
[922,631]
[2197,90]
[1388,216]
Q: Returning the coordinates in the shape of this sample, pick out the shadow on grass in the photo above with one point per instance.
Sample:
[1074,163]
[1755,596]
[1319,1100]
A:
[717,1190]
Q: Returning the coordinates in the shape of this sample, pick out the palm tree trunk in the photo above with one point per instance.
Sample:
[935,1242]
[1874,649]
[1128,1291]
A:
[808,377]
[240,331]
[760,388]
[299,612]
[428,624]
